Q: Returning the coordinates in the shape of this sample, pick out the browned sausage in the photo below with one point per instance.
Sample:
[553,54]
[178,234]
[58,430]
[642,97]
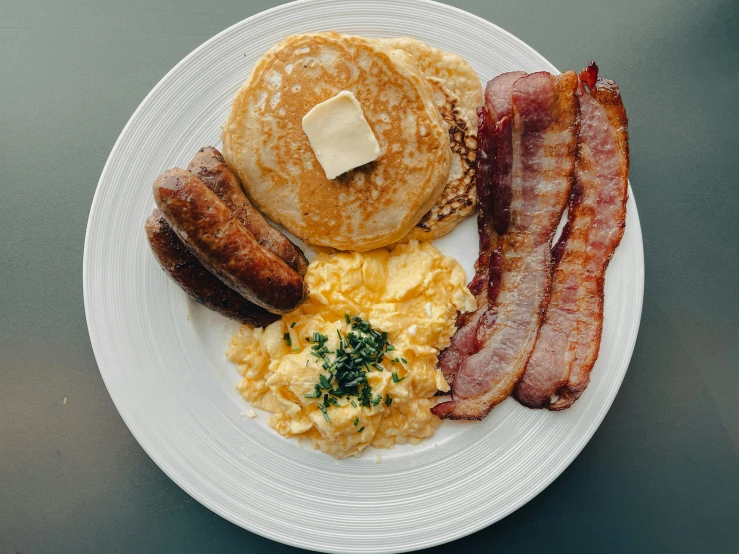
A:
[223,245]
[200,284]
[208,164]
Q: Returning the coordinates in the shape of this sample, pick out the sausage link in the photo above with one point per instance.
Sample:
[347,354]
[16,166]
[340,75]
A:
[200,284]
[223,245]
[208,164]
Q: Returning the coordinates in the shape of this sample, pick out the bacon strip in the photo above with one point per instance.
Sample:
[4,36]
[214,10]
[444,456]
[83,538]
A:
[498,106]
[540,139]
[569,339]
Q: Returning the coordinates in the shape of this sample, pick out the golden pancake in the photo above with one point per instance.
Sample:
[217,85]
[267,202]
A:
[451,69]
[457,94]
[371,206]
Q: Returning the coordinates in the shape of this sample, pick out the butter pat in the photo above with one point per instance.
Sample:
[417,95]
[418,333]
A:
[339,134]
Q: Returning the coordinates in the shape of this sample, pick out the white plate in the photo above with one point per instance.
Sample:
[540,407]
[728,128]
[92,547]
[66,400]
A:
[162,356]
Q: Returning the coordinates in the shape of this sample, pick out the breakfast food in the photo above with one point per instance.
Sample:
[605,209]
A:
[491,174]
[210,167]
[223,245]
[377,320]
[567,346]
[457,94]
[375,146]
[373,205]
[452,70]
[199,283]
[339,134]
[535,146]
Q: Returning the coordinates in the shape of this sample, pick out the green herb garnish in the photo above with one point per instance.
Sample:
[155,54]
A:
[325,384]
[287,339]
[397,379]
[357,353]
[325,413]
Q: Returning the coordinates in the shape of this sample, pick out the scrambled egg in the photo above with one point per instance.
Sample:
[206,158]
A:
[413,293]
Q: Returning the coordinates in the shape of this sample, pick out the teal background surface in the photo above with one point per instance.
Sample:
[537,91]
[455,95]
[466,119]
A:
[662,472]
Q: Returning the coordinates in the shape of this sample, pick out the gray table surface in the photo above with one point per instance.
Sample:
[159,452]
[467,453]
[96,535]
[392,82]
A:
[662,472]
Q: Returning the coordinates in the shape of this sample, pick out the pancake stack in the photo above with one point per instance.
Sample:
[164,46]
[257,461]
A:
[457,94]
[420,103]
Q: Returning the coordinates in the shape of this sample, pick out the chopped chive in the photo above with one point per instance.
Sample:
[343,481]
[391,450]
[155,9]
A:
[388,400]
[358,352]
[397,379]
[360,429]
[325,413]
[287,339]
[356,421]
[404,360]
[293,324]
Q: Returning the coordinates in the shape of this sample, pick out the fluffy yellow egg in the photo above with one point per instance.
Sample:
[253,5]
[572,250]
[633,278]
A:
[412,293]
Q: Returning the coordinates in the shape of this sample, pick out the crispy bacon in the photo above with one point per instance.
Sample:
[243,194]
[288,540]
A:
[589,75]
[539,139]
[498,106]
[569,339]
